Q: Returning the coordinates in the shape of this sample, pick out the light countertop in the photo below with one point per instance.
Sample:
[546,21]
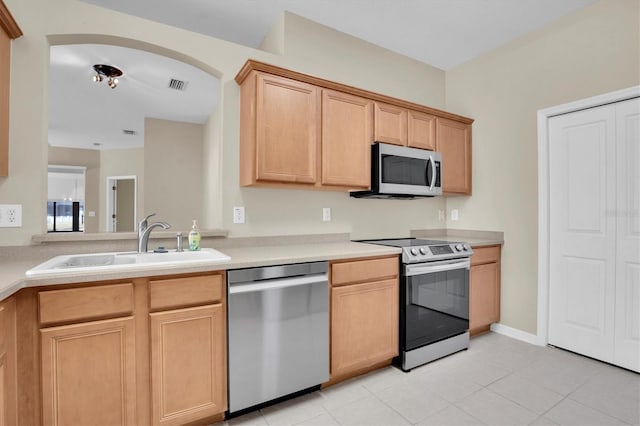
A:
[244,253]
[13,276]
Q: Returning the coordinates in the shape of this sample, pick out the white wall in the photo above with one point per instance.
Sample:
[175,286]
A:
[120,162]
[173,172]
[269,212]
[590,52]
[317,50]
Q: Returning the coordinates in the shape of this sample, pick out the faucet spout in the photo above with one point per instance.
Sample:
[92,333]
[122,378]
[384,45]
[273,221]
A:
[144,231]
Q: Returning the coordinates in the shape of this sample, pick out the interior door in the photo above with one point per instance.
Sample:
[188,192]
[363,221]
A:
[125,205]
[582,231]
[627,317]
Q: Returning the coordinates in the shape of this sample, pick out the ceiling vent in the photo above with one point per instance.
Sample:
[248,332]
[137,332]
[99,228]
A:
[129,132]
[178,85]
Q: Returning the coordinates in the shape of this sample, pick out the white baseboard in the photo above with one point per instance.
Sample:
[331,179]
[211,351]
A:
[514,333]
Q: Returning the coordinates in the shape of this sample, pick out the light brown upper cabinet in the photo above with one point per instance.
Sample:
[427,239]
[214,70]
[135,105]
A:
[390,124]
[8,30]
[301,131]
[287,116]
[453,140]
[346,139]
[402,126]
[421,132]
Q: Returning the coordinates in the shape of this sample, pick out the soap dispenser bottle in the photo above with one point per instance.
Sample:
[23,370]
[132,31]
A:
[194,237]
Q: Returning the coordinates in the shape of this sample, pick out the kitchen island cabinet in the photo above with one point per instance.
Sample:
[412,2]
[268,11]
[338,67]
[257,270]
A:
[364,315]
[8,376]
[484,288]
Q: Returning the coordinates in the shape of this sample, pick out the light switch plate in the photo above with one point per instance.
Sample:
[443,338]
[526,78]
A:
[238,215]
[454,214]
[10,215]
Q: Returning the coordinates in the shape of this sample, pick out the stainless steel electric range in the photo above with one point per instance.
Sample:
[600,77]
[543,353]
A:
[434,299]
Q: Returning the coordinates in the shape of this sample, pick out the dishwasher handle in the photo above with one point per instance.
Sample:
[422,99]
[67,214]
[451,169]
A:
[258,286]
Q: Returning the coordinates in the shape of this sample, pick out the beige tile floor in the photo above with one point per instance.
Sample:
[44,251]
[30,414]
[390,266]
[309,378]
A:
[497,381]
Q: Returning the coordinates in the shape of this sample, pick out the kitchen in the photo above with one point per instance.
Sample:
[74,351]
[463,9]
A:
[494,89]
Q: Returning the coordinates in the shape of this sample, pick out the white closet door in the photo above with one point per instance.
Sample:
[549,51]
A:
[627,317]
[582,231]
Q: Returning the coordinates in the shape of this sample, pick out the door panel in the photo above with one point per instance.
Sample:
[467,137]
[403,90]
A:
[287,120]
[347,133]
[365,325]
[582,232]
[627,333]
[187,364]
[88,373]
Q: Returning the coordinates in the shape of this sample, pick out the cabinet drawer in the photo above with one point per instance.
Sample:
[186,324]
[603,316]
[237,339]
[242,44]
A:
[363,270]
[485,255]
[85,303]
[180,292]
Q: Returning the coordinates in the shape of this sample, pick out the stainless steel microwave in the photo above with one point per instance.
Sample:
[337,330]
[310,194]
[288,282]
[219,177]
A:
[403,172]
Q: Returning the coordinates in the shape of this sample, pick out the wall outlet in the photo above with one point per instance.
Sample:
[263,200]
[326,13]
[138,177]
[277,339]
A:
[454,214]
[326,214]
[10,215]
[440,214]
[238,215]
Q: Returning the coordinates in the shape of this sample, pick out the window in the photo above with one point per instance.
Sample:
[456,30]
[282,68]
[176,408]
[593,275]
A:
[65,200]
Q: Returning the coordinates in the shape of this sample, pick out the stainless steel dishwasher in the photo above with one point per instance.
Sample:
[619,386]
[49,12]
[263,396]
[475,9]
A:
[278,332]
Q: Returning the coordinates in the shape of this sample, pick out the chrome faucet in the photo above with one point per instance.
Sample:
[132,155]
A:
[144,230]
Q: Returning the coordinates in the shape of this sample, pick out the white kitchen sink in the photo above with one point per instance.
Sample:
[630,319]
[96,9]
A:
[96,262]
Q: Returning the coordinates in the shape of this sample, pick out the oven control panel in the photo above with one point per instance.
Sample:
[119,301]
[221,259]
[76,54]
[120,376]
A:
[435,252]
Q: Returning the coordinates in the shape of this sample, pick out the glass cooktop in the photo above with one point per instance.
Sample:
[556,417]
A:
[406,242]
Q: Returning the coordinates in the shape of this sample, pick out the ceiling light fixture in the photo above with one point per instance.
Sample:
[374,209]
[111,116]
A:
[109,72]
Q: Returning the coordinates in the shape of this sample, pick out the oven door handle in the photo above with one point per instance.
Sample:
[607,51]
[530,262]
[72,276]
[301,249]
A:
[422,269]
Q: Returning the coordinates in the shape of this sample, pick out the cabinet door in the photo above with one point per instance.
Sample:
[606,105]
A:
[8,376]
[453,140]
[287,124]
[5,67]
[347,133]
[421,130]
[88,373]
[484,295]
[188,364]
[390,124]
[364,325]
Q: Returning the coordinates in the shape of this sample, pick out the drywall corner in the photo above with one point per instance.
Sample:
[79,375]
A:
[273,42]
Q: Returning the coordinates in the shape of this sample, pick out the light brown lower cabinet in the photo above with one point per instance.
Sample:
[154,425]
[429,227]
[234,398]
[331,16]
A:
[145,351]
[364,315]
[8,378]
[188,378]
[89,373]
[484,284]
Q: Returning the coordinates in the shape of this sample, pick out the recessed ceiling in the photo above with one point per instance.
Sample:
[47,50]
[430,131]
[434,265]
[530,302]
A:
[442,33]
[90,115]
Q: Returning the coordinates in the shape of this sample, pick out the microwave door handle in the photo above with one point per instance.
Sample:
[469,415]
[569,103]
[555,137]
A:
[433,172]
